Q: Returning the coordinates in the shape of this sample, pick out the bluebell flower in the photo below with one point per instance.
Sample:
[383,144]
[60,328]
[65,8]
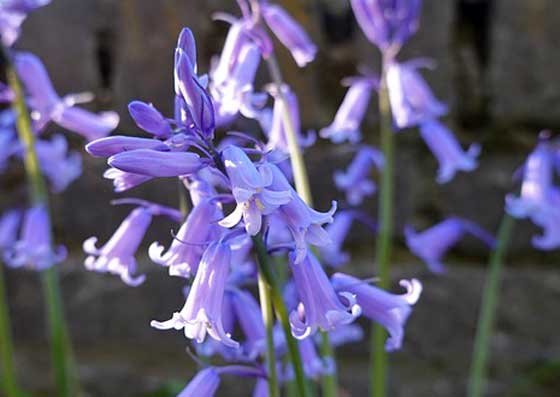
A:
[320,306]
[290,33]
[539,198]
[155,163]
[387,23]
[332,254]
[249,316]
[123,181]
[8,146]
[412,101]
[350,114]
[345,334]
[389,310]
[34,247]
[47,105]
[249,187]
[148,118]
[187,247]
[60,167]
[305,224]
[202,312]
[314,366]
[9,225]
[12,15]
[448,151]
[111,145]
[205,383]
[355,181]
[432,244]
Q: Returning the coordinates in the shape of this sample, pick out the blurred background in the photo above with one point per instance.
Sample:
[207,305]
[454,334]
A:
[497,67]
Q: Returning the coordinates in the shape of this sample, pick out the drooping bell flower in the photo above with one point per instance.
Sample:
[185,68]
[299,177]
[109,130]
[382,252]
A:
[290,33]
[355,182]
[320,306]
[47,105]
[123,181]
[198,102]
[448,151]
[332,253]
[389,310]
[539,198]
[387,23]
[111,145]
[117,255]
[432,244]
[249,315]
[249,187]
[278,132]
[148,118]
[60,167]
[34,248]
[155,163]
[9,225]
[412,100]
[304,223]
[202,312]
[184,254]
[12,15]
[350,114]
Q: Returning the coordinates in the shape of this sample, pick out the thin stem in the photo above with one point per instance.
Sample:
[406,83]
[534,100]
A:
[378,386]
[9,380]
[282,314]
[301,179]
[488,310]
[268,318]
[61,351]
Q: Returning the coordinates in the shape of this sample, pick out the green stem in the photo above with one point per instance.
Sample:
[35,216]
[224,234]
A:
[268,318]
[9,381]
[301,179]
[378,386]
[61,351]
[282,314]
[488,310]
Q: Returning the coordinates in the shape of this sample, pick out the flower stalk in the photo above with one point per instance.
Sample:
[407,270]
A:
[487,314]
[9,381]
[301,179]
[378,386]
[61,351]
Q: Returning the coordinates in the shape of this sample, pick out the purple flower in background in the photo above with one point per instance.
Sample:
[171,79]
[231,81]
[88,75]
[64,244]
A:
[314,366]
[448,151]
[34,247]
[412,101]
[320,306]
[350,114]
[109,146]
[389,310]
[205,383]
[290,33]
[277,133]
[9,224]
[202,312]
[539,199]
[432,244]
[117,255]
[346,334]
[155,163]
[8,145]
[47,105]
[387,23]
[12,15]
[304,223]
[187,247]
[249,188]
[332,253]
[57,165]
[123,181]
[148,118]
[248,313]
[355,180]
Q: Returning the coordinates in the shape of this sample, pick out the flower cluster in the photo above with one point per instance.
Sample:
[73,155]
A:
[240,192]
[33,247]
